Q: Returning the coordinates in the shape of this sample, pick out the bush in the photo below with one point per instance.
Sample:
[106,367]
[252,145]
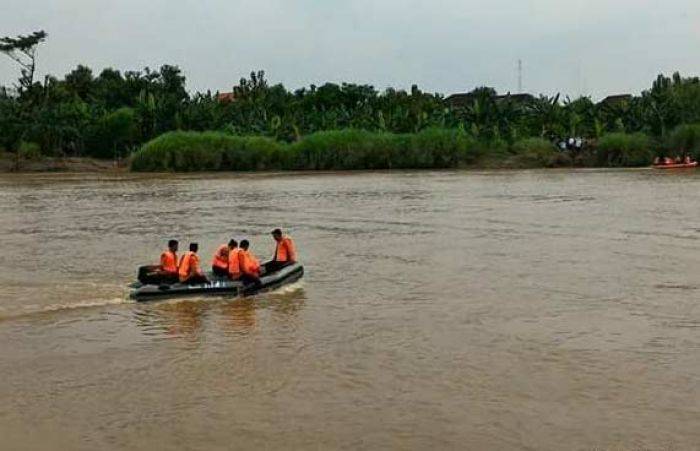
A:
[29,151]
[535,152]
[329,150]
[442,148]
[350,149]
[112,134]
[207,151]
[624,150]
[359,149]
[685,139]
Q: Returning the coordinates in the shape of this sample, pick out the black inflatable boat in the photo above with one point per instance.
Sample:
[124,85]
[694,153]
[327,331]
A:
[218,286]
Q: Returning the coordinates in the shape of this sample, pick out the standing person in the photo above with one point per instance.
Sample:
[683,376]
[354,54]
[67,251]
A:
[249,265]
[190,272]
[219,264]
[285,252]
[166,272]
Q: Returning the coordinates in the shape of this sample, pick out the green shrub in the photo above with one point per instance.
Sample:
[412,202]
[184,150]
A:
[208,151]
[251,153]
[29,150]
[346,149]
[624,150]
[685,139]
[442,148]
[359,149]
[535,152]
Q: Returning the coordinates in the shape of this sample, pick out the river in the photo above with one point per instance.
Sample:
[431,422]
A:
[505,310]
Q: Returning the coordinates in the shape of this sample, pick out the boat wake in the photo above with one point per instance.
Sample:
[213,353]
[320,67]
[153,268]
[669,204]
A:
[29,310]
[289,289]
[33,309]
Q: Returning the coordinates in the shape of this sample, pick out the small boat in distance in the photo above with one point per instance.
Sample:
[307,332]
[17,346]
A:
[677,163]
[692,164]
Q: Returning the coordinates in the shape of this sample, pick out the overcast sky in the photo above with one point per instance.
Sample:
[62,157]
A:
[594,47]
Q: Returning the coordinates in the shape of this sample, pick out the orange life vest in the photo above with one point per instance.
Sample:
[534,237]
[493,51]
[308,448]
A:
[168,261]
[189,266]
[248,263]
[221,257]
[234,264]
[285,251]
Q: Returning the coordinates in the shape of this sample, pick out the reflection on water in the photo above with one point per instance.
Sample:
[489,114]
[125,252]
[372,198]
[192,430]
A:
[497,310]
[176,319]
[189,318]
[238,318]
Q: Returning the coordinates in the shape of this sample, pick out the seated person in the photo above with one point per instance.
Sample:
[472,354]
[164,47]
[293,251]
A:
[166,272]
[190,271]
[249,265]
[285,252]
[234,262]
[219,264]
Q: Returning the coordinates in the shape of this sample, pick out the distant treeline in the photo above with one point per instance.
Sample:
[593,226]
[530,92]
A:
[114,114]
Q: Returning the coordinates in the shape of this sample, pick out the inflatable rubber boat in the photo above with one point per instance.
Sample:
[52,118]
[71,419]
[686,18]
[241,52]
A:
[676,165]
[218,286]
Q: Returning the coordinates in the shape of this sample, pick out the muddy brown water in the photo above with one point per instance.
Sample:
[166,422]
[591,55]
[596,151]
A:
[440,310]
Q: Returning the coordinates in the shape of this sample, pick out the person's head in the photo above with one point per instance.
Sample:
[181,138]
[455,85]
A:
[245,245]
[277,234]
[172,245]
[232,244]
[194,247]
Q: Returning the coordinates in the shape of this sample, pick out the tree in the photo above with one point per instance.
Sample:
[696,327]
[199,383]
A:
[80,82]
[22,49]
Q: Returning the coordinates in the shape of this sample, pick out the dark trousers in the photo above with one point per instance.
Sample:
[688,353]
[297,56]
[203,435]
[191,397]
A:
[274,266]
[219,271]
[153,275]
[249,279]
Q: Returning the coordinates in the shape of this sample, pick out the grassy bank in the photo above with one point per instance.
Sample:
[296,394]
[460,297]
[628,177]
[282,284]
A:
[336,150]
[434,148]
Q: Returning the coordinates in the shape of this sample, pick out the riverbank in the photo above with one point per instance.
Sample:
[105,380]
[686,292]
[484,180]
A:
[9,163]
[352,149]
[347,149]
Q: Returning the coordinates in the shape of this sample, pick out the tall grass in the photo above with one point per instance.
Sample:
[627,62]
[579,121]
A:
[624,150]
[433,148]
[329,150]
[207,151]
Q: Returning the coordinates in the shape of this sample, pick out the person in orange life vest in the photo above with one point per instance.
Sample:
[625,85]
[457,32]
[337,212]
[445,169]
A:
[168,259]
[285,252]
[166,271]
[219,264]
[249,265]
[234,262]
[190,271]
